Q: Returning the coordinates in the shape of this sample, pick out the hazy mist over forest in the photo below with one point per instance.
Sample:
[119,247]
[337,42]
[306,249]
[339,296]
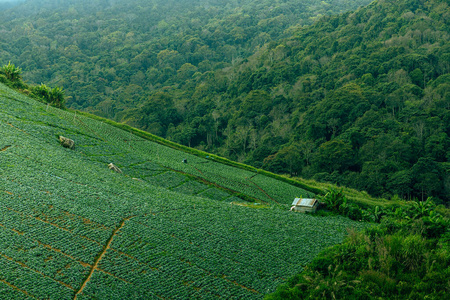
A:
[9,3]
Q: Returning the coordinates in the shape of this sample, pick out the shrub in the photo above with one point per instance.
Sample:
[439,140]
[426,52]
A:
[11,72]
[54,97]
[42,91]
[334,199]
[3,78]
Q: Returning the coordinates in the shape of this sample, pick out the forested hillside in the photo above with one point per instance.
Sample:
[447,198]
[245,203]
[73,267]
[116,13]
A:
[111,55]
[6,4]
[360,98]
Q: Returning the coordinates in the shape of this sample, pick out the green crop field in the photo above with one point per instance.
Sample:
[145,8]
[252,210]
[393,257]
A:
[70,228]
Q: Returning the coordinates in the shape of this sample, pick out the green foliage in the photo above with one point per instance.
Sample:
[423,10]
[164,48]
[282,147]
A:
[334,199]
[337,202]
[152,230]
[11,72]
[54,97]
[12,76]
[377,213]
[42,91]
[57,97]
[357,99]
[399,262]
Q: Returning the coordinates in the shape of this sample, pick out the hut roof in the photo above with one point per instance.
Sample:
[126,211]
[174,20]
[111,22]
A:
[307,202]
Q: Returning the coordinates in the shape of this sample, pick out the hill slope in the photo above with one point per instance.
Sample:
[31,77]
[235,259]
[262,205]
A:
[359,99]
[73,229]
[110,55]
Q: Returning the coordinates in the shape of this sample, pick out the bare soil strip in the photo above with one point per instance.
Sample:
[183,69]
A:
[39,272]
[136,260]
[264,192]
[9,193]
[18,128]
[52,224]
[100,256]
[4,148]
[112,275]
[17,289]
[243,286]
[190,264]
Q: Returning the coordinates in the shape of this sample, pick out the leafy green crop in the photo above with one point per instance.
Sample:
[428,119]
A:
[70,227]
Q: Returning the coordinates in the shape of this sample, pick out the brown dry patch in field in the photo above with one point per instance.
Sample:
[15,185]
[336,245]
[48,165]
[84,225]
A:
[100,256]
[12,229]
[86,265]
[135,259]
[86,221]
[123,253]
[17,231]
[243,286]
[63,215]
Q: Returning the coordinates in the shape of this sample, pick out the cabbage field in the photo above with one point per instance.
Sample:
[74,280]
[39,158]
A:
[70,228]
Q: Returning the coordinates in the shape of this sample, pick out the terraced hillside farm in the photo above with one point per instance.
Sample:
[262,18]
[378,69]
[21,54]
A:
[70,228]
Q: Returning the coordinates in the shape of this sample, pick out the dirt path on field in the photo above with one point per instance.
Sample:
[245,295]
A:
[18,128]
[50,223]
[265,193]
[17,289]
[100,256]
[34,270]
[4,148]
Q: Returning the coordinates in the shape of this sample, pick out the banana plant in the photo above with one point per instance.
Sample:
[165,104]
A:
[377,214]
[422,208]
[12,72]
[334,199]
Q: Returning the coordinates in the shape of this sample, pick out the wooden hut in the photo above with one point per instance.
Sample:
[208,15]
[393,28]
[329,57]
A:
[305,205]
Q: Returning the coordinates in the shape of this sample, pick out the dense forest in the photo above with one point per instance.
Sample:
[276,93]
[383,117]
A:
[112,55]
[359,98]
